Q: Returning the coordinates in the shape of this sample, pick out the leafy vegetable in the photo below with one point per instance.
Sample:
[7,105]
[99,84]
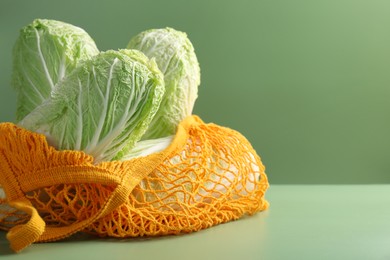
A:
[175,57]
[104,103]
[45,52]
[103,107]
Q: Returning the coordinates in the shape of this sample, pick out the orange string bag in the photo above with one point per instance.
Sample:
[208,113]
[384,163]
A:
[208,175]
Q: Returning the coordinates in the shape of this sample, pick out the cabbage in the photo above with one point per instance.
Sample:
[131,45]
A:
[175,57]
[103,107]
[146,147]
[45,52]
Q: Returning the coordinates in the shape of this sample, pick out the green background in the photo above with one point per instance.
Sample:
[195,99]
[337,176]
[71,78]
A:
[307,82]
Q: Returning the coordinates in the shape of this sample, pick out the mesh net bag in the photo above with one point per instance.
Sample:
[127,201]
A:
[208,175]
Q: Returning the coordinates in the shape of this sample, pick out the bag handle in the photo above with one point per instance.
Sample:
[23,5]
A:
[35,229]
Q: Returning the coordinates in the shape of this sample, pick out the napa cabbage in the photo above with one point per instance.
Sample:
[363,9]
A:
[103,107]
[45,52]
[176,58]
